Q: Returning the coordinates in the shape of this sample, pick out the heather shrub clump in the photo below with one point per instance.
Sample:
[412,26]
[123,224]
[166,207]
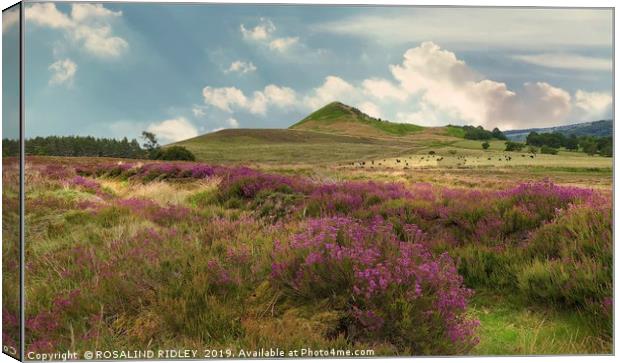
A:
[385,289]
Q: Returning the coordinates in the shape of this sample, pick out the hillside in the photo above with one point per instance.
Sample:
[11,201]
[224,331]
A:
[286,146]
[338,118]
[595,128]
[336,133]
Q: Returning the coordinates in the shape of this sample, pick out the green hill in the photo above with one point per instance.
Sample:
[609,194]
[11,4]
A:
[338,118]
[286,146]
[336,133]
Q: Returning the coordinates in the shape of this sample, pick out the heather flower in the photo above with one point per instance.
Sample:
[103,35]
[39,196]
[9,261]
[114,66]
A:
[338,257]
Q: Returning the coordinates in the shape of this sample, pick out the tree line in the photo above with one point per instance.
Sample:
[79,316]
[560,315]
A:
[89,146]
[479,133]
[591,145]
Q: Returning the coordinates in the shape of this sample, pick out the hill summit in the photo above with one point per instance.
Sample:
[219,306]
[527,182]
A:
[338,118]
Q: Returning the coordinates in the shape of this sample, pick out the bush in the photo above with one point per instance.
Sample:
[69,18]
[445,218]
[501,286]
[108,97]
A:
[485,145]
[514,146]
[174,153]
[548,150]
[572,263]
[384,289]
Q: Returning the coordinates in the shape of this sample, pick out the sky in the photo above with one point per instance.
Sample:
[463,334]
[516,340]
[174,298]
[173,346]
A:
[10,73]
[177,70]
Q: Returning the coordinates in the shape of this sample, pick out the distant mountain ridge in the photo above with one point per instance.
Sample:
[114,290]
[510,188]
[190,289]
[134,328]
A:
[599,128]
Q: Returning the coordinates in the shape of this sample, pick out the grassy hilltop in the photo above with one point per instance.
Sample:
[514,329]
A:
[339,118]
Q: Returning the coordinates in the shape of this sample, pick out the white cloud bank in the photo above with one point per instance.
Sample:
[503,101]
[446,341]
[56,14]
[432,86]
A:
[433,87]
[88,25]
[467,28]
[63,72]
[173,130]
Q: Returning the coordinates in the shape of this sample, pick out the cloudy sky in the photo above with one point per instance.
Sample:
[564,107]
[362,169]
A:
[184,70]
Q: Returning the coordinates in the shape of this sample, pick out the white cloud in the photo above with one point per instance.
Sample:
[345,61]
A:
[263,34]
[449,85]
[198,111]
[173,130]
[593,105]
[46,14]
[233,123]
[282,44]
[229,98]
[88,25]
[224,98]
[241,67]
[82,12]
[485,27]
[63,72]
[567,61]
[280,96]
[370,109]
[98,41]
[383,89]
[333,89]
[260,32]
[10,18]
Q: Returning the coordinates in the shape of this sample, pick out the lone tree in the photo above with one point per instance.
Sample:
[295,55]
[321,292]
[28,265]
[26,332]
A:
[498,134]
[150,144]
[485,145]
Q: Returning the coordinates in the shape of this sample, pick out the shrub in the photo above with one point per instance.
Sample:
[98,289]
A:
[385,289]
[572,262]
[485,145]
[514,146]
[174,153]
[548,150]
